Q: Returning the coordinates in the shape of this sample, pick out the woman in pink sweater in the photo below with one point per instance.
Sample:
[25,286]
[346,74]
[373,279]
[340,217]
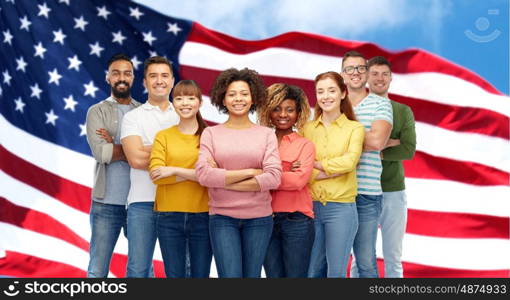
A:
[239,163]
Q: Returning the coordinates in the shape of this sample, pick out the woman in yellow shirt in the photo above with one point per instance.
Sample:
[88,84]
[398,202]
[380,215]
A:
[181,202]
[338,140]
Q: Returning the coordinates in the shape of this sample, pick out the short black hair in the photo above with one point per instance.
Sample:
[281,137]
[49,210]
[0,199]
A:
[119,56]
[156,60]
[377,61]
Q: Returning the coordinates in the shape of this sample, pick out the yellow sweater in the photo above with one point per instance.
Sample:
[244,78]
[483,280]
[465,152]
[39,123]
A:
[338,147]
[173,148]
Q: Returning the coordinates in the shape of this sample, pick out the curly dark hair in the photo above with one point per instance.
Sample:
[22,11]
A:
[251,77]
[276,94]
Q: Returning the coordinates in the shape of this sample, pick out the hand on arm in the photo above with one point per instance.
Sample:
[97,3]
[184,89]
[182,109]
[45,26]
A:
[407,140]
[377,137]
[181,174]
[233,176]
[117,152]
[136,153]
[343,163]
[247,185]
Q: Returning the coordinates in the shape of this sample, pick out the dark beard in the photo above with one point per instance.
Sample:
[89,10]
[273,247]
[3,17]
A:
[121,94]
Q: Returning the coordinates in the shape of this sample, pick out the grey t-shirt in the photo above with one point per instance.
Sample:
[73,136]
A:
[117,172]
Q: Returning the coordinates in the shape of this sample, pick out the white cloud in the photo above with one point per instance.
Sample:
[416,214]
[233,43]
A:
[348,19]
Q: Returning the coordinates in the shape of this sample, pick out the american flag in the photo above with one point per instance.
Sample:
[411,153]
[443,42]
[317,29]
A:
[53,62]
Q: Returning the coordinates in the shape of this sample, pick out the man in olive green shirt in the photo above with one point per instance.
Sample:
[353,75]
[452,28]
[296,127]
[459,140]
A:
[400,146]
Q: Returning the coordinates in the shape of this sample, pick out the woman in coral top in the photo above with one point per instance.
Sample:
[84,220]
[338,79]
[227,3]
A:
[239,163]
[182,220]
[288,254]
[338,139]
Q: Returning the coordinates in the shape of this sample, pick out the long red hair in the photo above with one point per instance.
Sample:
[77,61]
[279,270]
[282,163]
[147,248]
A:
[345,103]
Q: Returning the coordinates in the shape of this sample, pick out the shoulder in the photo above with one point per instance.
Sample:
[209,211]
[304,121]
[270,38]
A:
[264,129]
[167,131]
[308,126]
[378,100]
[304,142]
[135,103]
[354,124]
[98,106]
[135,112]
[401,107]
[211,129]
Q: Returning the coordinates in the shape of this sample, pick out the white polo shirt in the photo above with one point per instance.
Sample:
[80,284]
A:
[145,121]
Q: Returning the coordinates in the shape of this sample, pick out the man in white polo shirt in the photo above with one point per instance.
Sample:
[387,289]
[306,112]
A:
[139,127]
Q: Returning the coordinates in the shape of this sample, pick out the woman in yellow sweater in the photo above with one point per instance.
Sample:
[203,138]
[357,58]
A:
[181,202]
[338,140]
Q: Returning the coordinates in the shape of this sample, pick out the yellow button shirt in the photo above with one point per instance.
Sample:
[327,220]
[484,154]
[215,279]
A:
[338,148]
[173,148]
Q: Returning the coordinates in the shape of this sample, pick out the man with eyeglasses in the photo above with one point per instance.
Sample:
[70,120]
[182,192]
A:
[376,114]
[111,179]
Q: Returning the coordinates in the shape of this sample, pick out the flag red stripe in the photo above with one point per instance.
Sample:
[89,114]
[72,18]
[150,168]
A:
[42,223]
[408,61]
[427,166]
[22,265]
[69,192]
[436,114]
[472,120]
[457,225]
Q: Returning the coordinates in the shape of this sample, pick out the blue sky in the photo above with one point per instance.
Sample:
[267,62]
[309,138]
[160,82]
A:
[471,33]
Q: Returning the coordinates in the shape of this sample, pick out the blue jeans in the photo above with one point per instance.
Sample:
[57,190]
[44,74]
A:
[185,235]
[288,254]
[369,210]
[239,245]
[141,234]
[393,222]
[335,227]
[106,221]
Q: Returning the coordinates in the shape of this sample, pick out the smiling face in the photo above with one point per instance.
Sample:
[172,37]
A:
[120,77]
[158,81]
[379,79]
[329,95]
[238,99]
[284,116]
[186,106]
[357,80]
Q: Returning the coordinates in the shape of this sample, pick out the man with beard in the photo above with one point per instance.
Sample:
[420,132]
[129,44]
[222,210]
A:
[111,179]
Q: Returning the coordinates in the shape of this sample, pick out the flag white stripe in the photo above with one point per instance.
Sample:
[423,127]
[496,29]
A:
[472,147]
[283,62]
[31,243]
[456,197]
[48,156]
[467,254]
[36,200]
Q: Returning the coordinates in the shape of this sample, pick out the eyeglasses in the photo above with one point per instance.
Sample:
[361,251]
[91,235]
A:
[350,70]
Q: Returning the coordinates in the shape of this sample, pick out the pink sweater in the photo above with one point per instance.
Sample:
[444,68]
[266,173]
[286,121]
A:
[234,149]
